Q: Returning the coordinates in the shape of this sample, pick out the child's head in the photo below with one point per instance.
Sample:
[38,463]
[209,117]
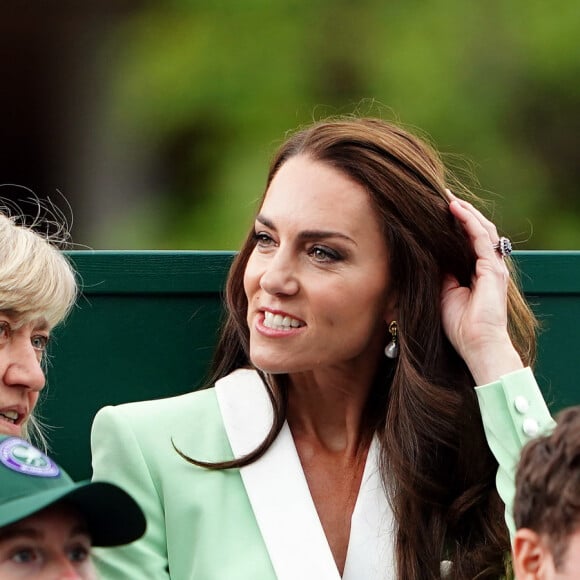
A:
[48,523]
[547,504]
[52,543]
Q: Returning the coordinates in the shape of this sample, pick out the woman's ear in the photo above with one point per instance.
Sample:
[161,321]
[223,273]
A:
[531,556]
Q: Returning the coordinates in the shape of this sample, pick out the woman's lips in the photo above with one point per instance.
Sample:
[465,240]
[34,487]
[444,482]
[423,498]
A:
[277,321]
[11,421]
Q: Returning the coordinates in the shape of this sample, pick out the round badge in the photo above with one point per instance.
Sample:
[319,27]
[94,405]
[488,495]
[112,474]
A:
[22,457]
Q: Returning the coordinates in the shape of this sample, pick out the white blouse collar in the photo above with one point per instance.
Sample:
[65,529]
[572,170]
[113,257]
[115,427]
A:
[279,495]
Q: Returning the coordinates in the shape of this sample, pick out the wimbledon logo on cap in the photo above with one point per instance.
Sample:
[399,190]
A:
[21,456]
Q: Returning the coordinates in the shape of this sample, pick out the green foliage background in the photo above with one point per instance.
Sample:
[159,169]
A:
[212,87]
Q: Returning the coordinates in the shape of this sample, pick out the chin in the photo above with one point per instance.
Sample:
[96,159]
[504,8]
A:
[11,430]
[273,367]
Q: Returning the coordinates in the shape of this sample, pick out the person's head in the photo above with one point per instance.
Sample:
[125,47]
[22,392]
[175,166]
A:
[48,523]
[311,271]
[405,181]
[37,290]
[547,504]
[378,183]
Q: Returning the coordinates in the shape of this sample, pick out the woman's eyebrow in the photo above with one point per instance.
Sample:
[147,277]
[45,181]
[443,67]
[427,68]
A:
[308,234]
[265,221]
[324,234]
[81,529]
[11,532]
[41,324]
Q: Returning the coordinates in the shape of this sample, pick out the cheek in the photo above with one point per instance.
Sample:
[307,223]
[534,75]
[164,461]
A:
[381,300]
[88,570]
[366,300]
[33,399]
[251,278]
[248,284]
[363,312]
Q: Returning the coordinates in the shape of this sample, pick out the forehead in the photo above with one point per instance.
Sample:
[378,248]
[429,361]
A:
[45,523]
[319,195]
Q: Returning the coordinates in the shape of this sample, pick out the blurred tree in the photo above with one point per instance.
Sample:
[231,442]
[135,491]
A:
[207,89]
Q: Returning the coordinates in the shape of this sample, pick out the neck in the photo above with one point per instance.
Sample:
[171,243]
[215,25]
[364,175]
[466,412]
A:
[330,411]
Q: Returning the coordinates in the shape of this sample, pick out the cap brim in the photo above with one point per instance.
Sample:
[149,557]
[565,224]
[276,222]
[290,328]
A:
[112,516]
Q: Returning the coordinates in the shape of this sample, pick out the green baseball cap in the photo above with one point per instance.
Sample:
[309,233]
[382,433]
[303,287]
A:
[31,481]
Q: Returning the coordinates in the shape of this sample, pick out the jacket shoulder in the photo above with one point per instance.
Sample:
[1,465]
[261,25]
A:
[170,407]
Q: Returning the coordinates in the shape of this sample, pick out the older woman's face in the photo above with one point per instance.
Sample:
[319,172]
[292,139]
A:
[22,346]
[317,282]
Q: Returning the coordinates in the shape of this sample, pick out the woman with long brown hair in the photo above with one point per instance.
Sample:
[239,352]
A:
[345,436]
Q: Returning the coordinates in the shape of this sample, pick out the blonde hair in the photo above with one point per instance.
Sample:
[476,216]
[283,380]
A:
[36,280]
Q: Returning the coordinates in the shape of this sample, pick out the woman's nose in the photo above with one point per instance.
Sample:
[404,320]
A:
[280,276]
[23,367]
[68,571]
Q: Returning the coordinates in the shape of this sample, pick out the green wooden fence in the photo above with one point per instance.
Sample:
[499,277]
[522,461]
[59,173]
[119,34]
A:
[146,323]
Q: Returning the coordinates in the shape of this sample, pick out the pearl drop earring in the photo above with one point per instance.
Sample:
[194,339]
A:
[392,349]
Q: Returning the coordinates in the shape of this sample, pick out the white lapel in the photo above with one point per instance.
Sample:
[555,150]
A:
[275,484]
[370,547]
[279,495]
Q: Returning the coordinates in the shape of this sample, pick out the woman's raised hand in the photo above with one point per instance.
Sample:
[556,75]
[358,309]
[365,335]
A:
[475,317]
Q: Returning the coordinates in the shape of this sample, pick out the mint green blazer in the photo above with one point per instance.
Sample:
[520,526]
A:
[260,522]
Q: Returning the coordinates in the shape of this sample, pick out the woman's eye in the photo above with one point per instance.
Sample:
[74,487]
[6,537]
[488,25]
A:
[39,342]
[79,553]
[262,239]
[25,556]
[324,254]
[5,331]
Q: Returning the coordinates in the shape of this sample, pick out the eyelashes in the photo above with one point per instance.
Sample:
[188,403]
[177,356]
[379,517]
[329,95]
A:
[318,252]
[325,254]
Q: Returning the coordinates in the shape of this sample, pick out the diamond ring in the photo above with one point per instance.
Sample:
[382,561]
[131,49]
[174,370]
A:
[503,246]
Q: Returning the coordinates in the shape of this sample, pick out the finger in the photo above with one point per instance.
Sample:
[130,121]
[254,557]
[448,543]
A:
[477,232]
[450,195]
[486,223]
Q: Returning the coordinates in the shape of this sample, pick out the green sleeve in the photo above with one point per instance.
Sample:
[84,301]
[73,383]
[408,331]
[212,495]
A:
[513,411]
[118,458]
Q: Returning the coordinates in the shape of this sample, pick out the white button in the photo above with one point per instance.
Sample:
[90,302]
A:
[530,427]
[521,404]
[446,566]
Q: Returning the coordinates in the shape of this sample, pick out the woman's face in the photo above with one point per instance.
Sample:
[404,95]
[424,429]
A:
[21,376]
[53,543]
[317,281]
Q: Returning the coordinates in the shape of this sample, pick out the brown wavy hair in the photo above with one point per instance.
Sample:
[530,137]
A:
[435,462]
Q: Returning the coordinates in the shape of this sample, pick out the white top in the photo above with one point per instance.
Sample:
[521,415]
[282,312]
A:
[281,500]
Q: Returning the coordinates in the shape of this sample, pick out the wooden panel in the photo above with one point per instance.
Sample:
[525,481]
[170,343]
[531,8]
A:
[146,323]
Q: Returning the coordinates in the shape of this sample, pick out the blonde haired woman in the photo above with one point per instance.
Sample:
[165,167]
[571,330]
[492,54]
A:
[37,290]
